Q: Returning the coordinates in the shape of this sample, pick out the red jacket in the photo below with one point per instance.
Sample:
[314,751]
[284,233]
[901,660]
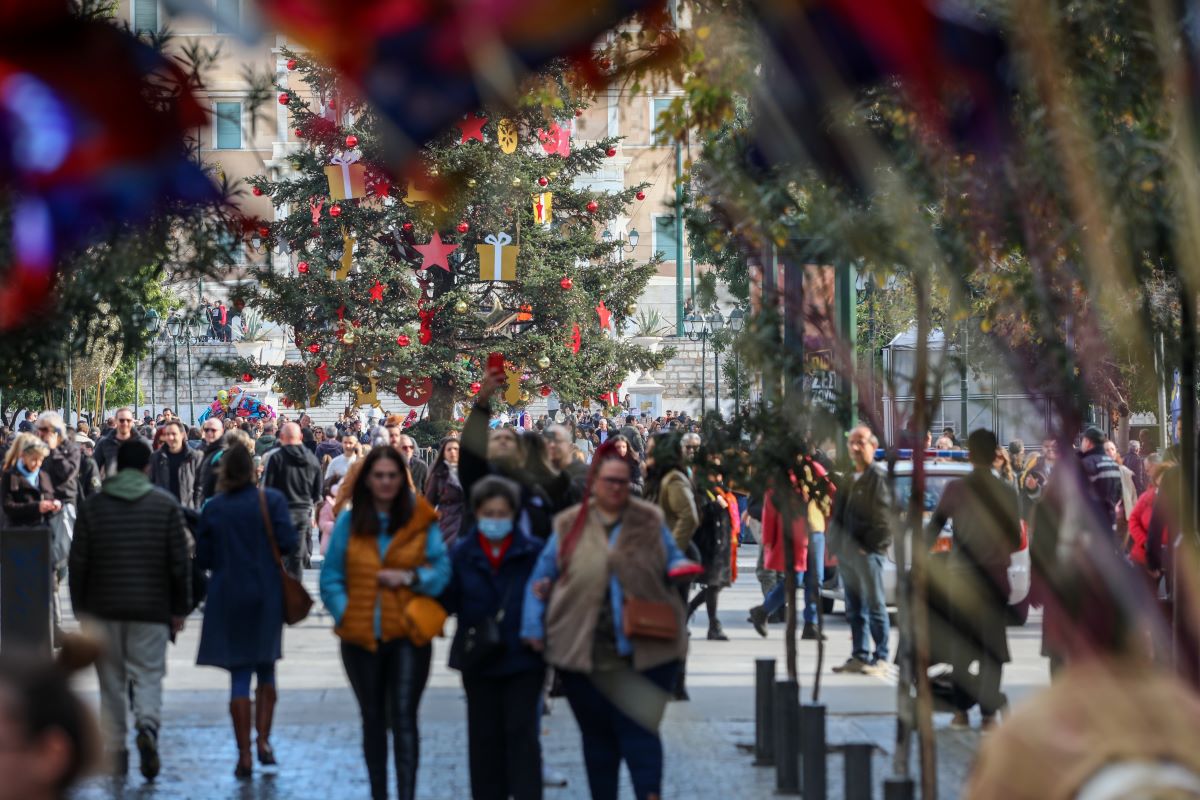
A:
[1139,524]
[772,535]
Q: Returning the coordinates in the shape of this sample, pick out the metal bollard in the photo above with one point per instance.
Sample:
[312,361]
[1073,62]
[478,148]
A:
[764,712]
[812,739]
[898,789]
[857,760]
[787,737]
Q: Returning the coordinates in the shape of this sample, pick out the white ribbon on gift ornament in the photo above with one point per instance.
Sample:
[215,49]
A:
[344,161]
[497,240]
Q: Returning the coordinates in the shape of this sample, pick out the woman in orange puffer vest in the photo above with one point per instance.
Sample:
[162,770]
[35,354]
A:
[385,563]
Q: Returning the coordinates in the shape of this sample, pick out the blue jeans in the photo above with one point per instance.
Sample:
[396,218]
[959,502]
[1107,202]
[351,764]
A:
[862,578]
[814,577]
[777,597]
[239,679]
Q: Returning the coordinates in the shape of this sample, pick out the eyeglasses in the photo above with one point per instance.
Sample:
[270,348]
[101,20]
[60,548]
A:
[124,419]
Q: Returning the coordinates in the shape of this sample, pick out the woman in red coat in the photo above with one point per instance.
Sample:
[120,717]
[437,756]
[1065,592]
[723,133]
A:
[1139,518]
[774,558]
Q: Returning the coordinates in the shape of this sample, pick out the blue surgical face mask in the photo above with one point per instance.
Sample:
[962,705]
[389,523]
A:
[495,529]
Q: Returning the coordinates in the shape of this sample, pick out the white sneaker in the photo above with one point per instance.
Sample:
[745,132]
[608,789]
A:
[553,779]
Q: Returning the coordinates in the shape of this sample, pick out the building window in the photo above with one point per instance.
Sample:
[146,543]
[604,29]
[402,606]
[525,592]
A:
[234,245]
[145,16]
[658,106]
[229,15]
[229,126]
[665,243]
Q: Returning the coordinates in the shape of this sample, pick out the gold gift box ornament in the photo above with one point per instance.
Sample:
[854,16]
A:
[497,258]
[347,178]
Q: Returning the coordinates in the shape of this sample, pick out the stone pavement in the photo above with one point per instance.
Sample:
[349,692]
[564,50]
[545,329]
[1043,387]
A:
[317,737]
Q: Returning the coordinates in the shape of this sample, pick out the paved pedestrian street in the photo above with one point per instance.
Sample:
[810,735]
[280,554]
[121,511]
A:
[317,741]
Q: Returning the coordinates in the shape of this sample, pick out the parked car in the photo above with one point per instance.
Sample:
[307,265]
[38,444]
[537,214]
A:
[938,473]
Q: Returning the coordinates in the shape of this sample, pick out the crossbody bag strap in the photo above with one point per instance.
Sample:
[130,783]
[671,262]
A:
[270,529]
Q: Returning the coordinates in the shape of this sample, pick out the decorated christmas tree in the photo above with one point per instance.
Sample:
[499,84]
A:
[408,278]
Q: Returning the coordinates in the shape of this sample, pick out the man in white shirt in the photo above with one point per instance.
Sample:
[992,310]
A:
[338,467]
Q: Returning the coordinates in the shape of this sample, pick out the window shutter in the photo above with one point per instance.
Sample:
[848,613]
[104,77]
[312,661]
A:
[229,126]
[664,237]
[145,16]
[229,14]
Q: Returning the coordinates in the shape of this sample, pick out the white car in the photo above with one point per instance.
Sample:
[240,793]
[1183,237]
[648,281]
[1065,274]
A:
[938,473]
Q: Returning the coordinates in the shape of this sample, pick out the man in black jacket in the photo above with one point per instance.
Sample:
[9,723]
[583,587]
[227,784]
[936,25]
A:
[293,470]
[106,448]
[860,533]
[176,467]
[1103,476]
[130,585]
[89,474]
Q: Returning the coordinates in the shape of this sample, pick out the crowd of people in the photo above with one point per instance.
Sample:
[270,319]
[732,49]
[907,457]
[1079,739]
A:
[577,549]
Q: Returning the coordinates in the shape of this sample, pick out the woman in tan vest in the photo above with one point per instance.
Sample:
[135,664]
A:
[613,624]
[385,563]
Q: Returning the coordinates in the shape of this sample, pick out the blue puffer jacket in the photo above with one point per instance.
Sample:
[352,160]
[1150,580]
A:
[476,592]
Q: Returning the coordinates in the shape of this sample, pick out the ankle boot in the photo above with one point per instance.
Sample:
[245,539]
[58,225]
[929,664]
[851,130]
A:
[239,712]
[264,714]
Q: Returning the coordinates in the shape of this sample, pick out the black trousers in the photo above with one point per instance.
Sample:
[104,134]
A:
[502,735]
[301,559]
[388,685]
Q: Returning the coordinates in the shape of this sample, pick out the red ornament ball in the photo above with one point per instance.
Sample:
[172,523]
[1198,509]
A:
[610,152]
[545,391]
[475,387]
[640,195]
[335,211]
[299,133]
[593,206]
[543,181]
[264,232]
[579,112]
[257,192]
[408,226]
[351,141]
[566,283]
[463,227]
[291,63]
[605,64]
[314,348]
[403,340]
[302,267]
[247,377]
[283,98]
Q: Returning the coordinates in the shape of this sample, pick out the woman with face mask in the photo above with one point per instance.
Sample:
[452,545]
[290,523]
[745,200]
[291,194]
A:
[501,676]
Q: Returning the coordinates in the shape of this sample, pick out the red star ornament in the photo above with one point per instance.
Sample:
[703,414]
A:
[472,128]
[322,373]
[605,316]
[435,252]
[377,291]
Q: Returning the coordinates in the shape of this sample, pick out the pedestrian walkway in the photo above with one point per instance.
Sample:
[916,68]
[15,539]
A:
[317,732]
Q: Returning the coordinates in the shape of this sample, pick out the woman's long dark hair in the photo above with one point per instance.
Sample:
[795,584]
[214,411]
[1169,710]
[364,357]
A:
[606,452]
[236,469]
[440,466]
[364,521]
[667,456]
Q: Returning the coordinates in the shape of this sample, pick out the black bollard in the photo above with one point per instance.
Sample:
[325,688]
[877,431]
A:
[787,737]
[857,760]
[812,739]
[898,789]
[764,712]
[25,590]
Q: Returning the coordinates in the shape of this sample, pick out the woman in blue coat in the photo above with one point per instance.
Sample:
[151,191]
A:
[243,615]
[492,563]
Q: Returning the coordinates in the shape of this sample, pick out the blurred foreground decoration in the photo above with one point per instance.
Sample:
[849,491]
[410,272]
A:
[421,65]
[83,152]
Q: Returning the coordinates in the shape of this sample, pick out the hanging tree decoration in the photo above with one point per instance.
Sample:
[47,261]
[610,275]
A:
[435,252]
[316,207]
[556,140]
[368,394]
[506,136]
[414,391]
[347,260]
[425,335]
[512,395]
[605,316]
[497,260]
[347,178]
[472,128]
[377,291]
[543,208]
[576,340]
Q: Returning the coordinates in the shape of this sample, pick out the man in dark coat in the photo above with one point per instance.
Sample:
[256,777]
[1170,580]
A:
[212,432]
[295,472]
[106,448]
[130,584]
[176,467]
[89,474]
[1103,476]
[418,470]
[987,530]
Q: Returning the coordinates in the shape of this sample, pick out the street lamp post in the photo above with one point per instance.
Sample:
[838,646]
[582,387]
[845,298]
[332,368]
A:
[174,326]
[697,327]
[152,326]
[192,330]
[716,322]
[737,321]
[622,247]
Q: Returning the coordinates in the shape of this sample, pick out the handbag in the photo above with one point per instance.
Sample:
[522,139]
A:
[650,619]
[483,644]
[297,602]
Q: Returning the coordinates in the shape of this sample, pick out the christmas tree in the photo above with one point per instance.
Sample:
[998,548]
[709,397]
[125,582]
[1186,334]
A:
[489,242]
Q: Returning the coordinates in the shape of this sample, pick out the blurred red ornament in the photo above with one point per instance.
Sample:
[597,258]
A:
[605,64]
[640,195]
[403,340]
[239,304]
[291,63]
[257,192]
[314,348]
[408,226]
[287,402]
[463,227]
[302,267]
[283,98]
[335,211]
[593,206]
[351,141]
[566,283]
[610,152]
[264,231]
[299,133]
[545,391]
[542,181]
[579,112]
[247,377]
[475,387]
